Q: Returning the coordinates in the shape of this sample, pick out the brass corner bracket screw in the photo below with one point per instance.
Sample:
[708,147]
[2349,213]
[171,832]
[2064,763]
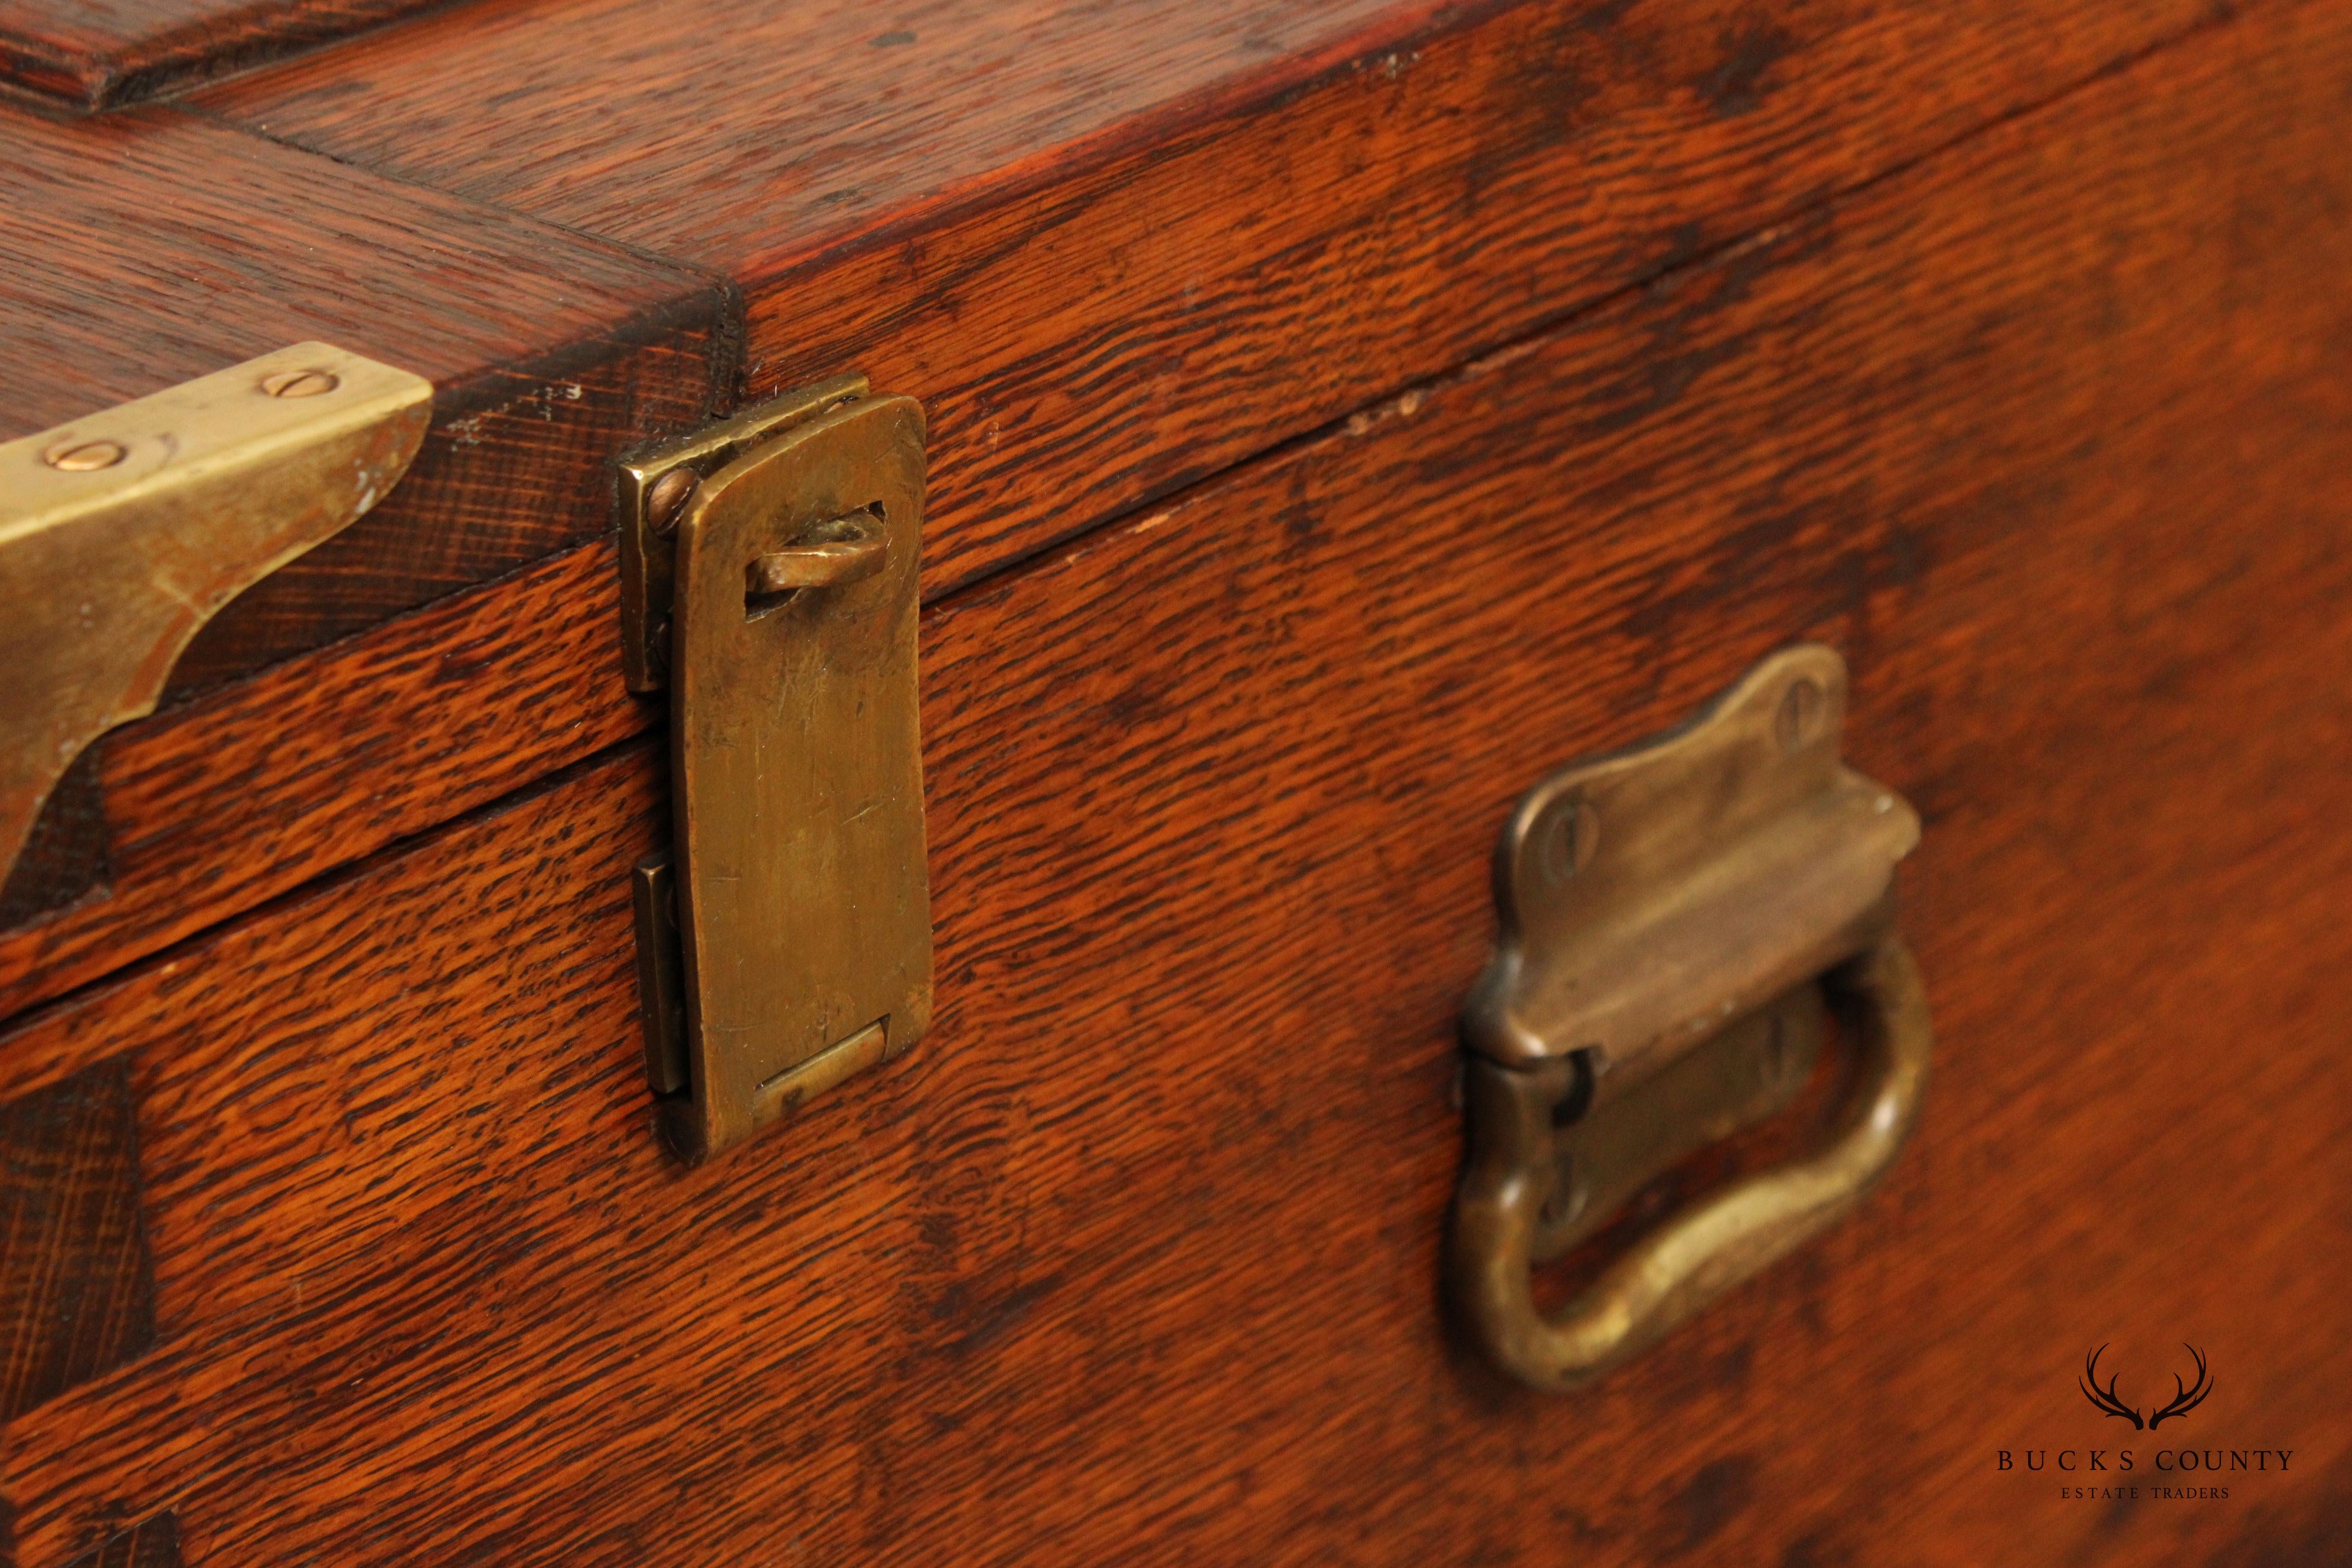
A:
[83,457]
[300,383]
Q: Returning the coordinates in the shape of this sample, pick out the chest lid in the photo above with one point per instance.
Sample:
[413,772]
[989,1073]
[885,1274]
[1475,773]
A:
[1111,250]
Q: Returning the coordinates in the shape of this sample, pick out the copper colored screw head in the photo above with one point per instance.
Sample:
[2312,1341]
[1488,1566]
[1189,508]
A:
[81,457]
[300,383]
[667,503]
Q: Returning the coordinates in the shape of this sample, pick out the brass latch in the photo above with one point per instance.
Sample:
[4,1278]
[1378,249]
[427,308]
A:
[769,576]
[123,532]
[1677,921]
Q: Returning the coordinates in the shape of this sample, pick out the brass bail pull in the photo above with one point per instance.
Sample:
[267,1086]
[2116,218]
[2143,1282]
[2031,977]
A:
[1673,917]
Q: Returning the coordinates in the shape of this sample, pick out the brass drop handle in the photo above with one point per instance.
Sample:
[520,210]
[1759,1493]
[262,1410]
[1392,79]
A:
[1698,1255]
[1673,917]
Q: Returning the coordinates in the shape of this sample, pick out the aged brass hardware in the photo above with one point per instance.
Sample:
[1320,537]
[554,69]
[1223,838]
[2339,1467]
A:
[786,941]
[1674,919]
[656,490]
[1732,1081]
[123,532]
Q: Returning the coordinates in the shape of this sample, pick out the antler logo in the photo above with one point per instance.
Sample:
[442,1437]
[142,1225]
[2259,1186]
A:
[2184,1398]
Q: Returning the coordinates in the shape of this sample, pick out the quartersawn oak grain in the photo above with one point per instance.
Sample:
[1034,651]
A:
[248,791]
[151,1543]
[1114,248]
[75,1295]
[1142,1243]
[103,54]
[66,855]
[1382,189]
[146,248]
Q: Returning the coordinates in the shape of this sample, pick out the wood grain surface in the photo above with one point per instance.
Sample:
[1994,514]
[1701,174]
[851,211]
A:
[1116,248]
[102,54]
[1324,202]
[246,792]
[151,1543]
[65,857]
[76,1300]
[1137,1255]
[146,248]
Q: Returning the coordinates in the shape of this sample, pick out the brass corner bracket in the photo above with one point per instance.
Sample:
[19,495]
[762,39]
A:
[123,532]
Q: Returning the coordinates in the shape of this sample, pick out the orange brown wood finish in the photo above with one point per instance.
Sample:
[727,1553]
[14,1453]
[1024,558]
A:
[103,54]
[151,1543]
[75,1300]
[1136,1256]
[1164,137]
[1297,209]
[148,248]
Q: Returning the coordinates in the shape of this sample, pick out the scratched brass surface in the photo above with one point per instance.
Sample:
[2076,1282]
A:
[123,532]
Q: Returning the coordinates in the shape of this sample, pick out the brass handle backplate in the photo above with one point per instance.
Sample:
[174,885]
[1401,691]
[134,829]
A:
[1673,917]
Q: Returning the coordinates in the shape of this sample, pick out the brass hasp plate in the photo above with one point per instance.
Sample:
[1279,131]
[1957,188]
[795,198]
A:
[1678,921]
[123,532]
[771,572]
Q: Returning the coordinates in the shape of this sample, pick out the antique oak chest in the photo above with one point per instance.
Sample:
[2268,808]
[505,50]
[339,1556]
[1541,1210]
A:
[1175,781]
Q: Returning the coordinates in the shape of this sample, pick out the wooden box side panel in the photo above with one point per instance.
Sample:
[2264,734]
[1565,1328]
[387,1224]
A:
[1312,239]
[1141,1244]
[77,1299]
[148,248]
[1116,249]
[102,54]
